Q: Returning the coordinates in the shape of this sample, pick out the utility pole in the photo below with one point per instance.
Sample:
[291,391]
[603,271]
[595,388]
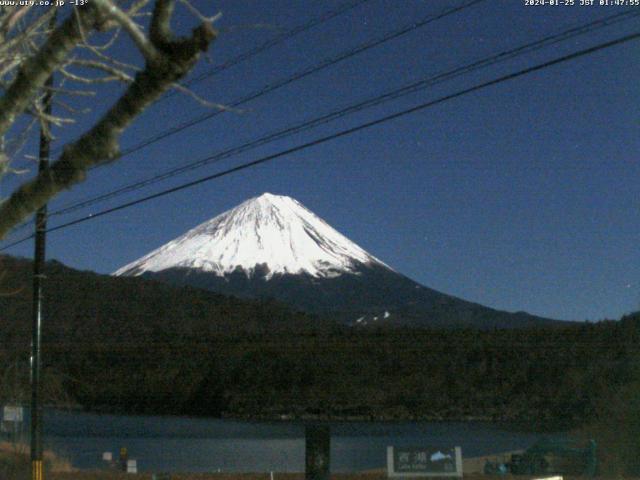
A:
[37,468]
[36,325]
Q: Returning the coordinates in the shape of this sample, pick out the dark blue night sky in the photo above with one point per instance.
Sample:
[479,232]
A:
[521,196]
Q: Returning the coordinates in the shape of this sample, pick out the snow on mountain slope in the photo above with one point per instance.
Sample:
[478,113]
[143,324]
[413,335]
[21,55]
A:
[272,230]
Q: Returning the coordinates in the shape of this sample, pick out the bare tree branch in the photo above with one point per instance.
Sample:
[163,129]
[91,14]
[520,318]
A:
[10,46]
[11,18]
[172,60]
[160,28]
[34,72]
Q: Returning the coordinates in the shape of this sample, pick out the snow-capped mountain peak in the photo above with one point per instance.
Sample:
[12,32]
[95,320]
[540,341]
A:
[272,231]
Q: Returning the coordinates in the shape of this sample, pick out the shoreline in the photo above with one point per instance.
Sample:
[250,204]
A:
[518,425]
[63,469]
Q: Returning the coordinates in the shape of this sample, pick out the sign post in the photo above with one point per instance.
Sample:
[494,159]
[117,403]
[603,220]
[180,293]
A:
[317,452]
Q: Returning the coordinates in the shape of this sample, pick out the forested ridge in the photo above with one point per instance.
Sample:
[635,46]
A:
[133,345]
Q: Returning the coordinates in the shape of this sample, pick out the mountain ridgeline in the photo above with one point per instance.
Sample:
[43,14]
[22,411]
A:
[370,296]
[273,247]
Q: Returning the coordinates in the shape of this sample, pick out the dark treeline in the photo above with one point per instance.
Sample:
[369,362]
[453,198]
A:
[547,378]
[136,346]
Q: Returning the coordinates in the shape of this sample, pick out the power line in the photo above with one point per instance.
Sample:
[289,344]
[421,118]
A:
[349,131]
[265,46]
[327,62]
[273,42]
[376,100]
[297,76]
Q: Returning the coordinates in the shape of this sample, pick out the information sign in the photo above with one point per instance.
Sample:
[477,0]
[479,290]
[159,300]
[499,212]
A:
[424,462]
[12,413]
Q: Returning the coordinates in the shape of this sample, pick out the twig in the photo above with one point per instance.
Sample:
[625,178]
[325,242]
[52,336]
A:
[122,77]
[71,109]
[146,47]
[196,13]
[136,7]
[72,92]
[17,144]
[114,62]
[202,101]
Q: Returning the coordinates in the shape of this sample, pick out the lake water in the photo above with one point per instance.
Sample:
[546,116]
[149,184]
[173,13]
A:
[179,444]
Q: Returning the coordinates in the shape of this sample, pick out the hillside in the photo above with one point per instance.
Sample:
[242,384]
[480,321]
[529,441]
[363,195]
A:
[375,297]
[116,308]
[133,345]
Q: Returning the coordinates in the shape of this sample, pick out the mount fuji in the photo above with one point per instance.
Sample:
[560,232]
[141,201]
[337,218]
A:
[272,246]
